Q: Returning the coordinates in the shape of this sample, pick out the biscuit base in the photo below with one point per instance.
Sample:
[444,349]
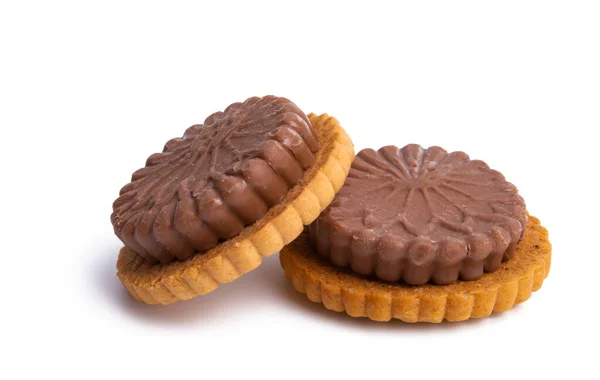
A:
[341,290]
[202,273]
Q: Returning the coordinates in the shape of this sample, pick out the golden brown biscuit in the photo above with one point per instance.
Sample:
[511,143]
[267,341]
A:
[340,290]
[200,274]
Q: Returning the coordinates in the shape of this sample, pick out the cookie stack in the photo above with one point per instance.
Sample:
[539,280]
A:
[415,234]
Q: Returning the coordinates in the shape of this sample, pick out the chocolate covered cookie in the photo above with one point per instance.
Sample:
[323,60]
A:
[419,222]
[229,191]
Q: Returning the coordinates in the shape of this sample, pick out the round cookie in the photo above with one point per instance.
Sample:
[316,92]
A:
[214,202]
[420,215]
[359,296]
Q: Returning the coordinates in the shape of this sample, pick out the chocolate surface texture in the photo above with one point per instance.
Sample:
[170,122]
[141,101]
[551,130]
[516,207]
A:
[221,176]
[420,215]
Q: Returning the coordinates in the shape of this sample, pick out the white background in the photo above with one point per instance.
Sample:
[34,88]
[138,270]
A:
[87,92]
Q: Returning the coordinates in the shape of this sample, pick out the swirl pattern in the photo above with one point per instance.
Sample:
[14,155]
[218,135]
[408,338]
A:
[220,177]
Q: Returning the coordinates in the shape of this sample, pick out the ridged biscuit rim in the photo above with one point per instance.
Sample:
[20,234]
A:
[203,273]
[498,291]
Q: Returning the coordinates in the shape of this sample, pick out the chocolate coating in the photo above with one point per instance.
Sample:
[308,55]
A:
[420,215]
[219,177]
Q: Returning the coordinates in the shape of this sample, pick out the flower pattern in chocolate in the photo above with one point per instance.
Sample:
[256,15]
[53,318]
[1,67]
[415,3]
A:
[421,215]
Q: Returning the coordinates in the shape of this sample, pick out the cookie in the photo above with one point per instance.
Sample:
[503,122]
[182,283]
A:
[343,291]
[420,235]
[420,215]
[230,191]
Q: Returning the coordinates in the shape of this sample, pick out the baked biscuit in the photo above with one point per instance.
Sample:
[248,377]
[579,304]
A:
[230,191]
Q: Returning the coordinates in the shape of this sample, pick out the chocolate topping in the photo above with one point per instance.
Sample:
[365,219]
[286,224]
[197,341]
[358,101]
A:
[420,215]
[218,178]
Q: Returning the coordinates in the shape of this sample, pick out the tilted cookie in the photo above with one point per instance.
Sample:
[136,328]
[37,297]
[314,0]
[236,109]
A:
[230,191]
[419,223]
